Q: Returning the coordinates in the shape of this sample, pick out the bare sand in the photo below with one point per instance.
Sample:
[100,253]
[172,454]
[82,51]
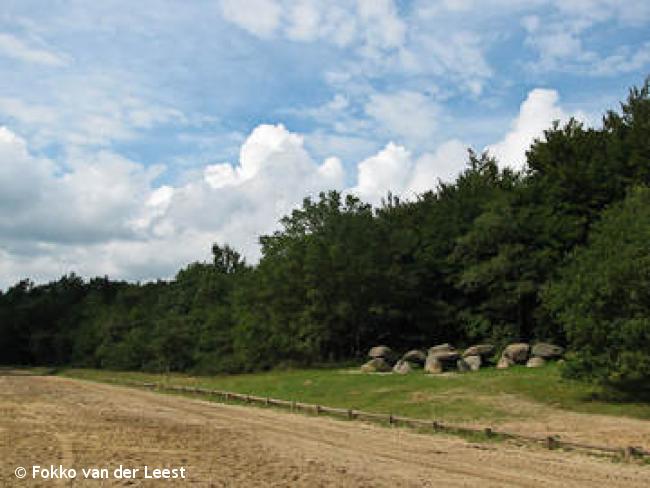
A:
[51,420]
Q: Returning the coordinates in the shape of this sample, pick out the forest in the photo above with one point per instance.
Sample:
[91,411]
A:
[559,251]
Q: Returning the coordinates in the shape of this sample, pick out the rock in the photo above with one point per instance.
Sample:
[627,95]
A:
[382,352]
[473,362]
[462,366]
[376,365]
[547,351]
[517,353]
[415,356]
[535,362]
[445,356]
[504,363]
[444,353]
[441,347]
[432,365]
[402,367]
[483,350]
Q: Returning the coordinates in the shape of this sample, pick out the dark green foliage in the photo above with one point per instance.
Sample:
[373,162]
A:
[547,253]
[603,297]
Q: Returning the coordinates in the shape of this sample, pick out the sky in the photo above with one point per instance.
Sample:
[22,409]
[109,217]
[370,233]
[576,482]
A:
[133,135]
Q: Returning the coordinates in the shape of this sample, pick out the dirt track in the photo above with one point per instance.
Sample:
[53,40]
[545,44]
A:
[49,420]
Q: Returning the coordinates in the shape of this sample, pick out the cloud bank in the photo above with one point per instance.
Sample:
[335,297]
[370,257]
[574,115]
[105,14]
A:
[104,214]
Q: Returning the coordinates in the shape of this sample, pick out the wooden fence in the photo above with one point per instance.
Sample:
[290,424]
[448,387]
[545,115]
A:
[551,442]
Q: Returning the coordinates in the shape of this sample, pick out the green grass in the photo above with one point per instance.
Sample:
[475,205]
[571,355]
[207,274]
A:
[453,398]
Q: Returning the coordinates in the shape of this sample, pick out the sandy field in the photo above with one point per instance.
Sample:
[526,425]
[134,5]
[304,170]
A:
[55,421]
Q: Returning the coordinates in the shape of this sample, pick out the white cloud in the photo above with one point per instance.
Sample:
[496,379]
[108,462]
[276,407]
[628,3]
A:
[16,48]
[560,37]
[383,28]
[536,114]
[89,110]
[394,169]
[444,164]
[259,17]
[373,25]
[408,115]
[103,213]
[387,170]
[95,197]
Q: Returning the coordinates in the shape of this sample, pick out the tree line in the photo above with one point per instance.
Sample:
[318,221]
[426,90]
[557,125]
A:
[558,251]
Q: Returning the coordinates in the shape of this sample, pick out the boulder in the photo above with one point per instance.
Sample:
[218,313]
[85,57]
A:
[504,363]
[462,366]
[432,365]
[547,351]
[402,367]
[382,352]
[482,350]
[445,356]
[441,347]
[535,362]
[415,356]
[473,362]
[376,365]
[517,353]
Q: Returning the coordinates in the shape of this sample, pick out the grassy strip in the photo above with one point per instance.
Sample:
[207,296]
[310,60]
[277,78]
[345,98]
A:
[449,398]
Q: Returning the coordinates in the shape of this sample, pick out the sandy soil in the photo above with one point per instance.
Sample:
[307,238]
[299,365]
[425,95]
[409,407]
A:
[49,420]
[530,418]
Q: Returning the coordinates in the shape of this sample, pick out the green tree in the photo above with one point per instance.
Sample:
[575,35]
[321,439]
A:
[602,298]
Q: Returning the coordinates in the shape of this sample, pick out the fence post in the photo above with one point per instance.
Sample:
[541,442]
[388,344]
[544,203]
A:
[629,452]
[350,414]
[391,419]
[436,426]
[293,405]
[551,442]
[488,432]
[317,409]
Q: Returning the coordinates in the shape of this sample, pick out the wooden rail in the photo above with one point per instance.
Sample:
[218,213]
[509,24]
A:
[551,442]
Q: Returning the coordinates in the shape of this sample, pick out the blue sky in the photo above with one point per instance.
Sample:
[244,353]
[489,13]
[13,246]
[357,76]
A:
[134,134]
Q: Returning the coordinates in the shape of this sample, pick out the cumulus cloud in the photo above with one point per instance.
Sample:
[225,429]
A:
[103,214]
[387,170]
[444,164]
[395,169]
[95,197]
[536,114]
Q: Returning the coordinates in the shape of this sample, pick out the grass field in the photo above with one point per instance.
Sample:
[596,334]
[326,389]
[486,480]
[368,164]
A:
[451,397]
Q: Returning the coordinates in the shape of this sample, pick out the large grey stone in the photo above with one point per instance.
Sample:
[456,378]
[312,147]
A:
[382,352]
[441,347]
[547,351]
[445,356]
[432,365]
[483,350]
[376,365]
[535,362]
[473,362]
[504,363]
[415,356]
[402,367]
[517,353]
